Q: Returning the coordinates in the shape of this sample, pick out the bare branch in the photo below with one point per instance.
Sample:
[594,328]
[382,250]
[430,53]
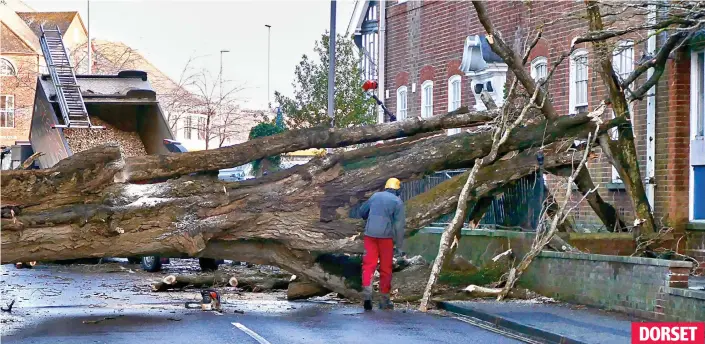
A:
[511,58]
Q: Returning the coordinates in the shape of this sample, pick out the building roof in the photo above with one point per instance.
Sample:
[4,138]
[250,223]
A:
[50,20]
[12,43]
[20,28]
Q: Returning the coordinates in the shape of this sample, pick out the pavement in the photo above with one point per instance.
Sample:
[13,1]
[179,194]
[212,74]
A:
[112,303]
[550,322]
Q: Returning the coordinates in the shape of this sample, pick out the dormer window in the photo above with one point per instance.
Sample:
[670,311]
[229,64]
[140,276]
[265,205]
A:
[487,71]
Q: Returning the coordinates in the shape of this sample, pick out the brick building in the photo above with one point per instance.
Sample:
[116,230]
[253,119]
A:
[433,57]
[21,60]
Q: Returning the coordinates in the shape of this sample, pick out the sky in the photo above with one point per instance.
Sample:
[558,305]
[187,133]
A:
[169,33]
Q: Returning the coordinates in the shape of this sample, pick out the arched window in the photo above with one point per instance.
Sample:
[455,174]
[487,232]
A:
[539,68]
[454,92]
[427,99]
[6,68]
[623,64]
[401,103]
[454,97]
[578,81]
[623,59]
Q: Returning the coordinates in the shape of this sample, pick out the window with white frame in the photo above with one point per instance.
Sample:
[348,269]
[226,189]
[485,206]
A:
[201,128]
[539,68]
[578,87]
[623,64]
[454,97]
[427,99]
[6,68]
[623,59]
[401,103]
[7,111]
[187,127]
[697,137]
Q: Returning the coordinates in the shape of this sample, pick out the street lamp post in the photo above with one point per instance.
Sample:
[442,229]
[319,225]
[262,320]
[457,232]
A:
[90,53]
[269,45]
[220,100]
[331,67]
[220,75]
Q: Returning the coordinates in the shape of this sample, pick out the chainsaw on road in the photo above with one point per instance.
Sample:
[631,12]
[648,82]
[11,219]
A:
[210,301]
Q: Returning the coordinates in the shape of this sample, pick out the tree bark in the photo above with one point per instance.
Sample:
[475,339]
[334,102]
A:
[302,289]
[605,211]
[77,210]
[622,152]
[172,165]
[253,282]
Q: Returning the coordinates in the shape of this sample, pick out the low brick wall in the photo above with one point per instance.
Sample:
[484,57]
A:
[618,244]
[696,246]
[479,245]
[645,287]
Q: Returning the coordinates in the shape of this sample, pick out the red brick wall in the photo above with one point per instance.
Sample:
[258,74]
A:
[22,86]
[431,34]
[673,168]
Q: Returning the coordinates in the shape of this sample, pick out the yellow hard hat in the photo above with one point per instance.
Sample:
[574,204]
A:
[392,183]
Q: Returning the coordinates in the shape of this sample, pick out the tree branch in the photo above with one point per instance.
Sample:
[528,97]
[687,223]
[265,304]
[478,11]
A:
[171,165]
[510,57]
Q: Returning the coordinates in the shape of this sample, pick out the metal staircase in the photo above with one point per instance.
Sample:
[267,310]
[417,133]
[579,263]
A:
[68,93]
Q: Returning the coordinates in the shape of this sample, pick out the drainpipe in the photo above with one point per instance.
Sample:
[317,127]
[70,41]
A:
[380,63]
[651,115]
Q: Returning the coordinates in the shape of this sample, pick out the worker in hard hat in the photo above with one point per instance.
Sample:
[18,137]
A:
[384,212]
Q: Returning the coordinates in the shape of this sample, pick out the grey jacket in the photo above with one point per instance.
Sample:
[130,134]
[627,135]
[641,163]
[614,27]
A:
[384,212]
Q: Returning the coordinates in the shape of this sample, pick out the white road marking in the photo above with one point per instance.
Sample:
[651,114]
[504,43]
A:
[251,333]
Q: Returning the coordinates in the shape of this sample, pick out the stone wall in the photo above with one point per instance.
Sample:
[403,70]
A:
[645,287]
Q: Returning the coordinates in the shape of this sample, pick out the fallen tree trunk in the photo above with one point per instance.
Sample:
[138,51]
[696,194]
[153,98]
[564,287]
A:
[253,283]
[151,167]
[77,210]
[303,289]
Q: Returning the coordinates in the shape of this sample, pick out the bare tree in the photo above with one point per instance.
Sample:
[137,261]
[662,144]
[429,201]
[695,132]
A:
[680,19]
[216,101]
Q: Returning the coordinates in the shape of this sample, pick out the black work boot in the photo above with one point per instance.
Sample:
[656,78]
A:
[385,302]
[367,294]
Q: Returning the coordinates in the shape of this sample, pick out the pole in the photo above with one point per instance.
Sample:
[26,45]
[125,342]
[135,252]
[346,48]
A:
[269,46]
[220,75]
[331,66]
[380,61]
[220,78]
[220,100]
[90,53]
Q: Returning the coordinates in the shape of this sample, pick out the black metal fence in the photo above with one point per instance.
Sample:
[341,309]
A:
[518,206]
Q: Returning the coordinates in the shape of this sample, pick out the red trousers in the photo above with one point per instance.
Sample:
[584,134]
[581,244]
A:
[381,249]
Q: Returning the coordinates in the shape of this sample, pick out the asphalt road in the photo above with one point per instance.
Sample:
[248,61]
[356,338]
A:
[109,304]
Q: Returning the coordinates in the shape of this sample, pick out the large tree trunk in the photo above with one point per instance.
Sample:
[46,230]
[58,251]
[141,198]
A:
[78,210]
[171,165]
[621,152]
[605,211]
